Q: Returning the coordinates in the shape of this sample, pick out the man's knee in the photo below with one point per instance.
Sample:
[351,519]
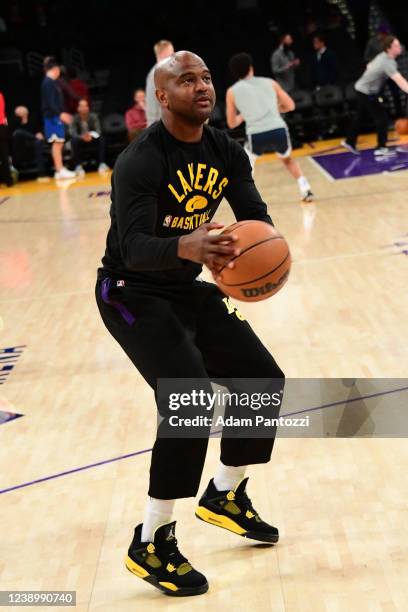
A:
[75,141]
[286,159]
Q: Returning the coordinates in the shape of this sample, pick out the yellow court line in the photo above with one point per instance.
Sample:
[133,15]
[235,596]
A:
[365,142]
[93,179]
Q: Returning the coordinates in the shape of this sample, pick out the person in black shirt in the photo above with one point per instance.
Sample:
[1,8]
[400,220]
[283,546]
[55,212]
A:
[324,66]
[166,188]
[28,140]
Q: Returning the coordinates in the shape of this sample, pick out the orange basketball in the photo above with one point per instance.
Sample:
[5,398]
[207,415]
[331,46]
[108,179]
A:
[263,266]
[401,126]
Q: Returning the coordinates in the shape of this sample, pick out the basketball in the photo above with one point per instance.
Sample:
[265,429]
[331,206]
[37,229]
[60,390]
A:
[401,126]
[263,266]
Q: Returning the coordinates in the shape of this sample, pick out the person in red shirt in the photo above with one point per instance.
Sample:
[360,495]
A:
[5,172]
[135,117]
[74,89]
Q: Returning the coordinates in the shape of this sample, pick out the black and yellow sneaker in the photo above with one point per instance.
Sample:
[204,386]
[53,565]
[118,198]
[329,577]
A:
[233,510]
[161,563]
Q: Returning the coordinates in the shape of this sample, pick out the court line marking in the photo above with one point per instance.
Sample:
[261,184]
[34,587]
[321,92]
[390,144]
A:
[92,179]
[56,220]
[328,176]
[281,204]
[47,297]
[147,450]
[378,251]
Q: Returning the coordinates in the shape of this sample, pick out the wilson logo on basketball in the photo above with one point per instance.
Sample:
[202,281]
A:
[197,202]
[264,289]
[262,264]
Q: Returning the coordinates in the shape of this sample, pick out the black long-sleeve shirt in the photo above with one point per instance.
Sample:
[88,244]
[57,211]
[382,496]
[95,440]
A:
[324,68]
[52,101]
[163,188]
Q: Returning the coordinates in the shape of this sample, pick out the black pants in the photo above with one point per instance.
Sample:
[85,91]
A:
[374,106]
[79,147]
[187,334]
[27,146]
[5,172]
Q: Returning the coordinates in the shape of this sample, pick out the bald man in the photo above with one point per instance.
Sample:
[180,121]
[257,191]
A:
[162,50]
[166,188]
[29,140]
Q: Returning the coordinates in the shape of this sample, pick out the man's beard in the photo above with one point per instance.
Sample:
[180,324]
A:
[190,117]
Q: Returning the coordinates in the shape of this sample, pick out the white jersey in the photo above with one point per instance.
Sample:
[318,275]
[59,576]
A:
[256,100]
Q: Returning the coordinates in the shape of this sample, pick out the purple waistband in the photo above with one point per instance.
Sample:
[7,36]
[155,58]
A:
[106,285]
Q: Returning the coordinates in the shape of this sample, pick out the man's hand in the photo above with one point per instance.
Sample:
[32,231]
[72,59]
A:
[86,137]
[39,136]
[215,252]
[66,118]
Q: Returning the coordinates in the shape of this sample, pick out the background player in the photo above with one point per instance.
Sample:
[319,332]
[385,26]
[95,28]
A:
[162,50]
[52,103]
[369,99]
[166,187]
[259,102]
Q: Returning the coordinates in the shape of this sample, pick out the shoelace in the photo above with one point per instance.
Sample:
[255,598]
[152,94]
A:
[171,550]
[243,500]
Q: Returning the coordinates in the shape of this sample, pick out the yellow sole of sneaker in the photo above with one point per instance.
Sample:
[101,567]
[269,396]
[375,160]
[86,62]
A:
[166,587]
[136,569]
[219,520]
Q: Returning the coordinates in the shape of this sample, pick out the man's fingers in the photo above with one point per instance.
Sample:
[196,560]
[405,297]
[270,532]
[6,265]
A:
[210,226]
[220,262]
[224,250]
[223,238]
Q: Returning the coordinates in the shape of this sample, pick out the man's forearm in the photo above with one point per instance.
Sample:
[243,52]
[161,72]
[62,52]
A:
[235,121]
[281,69]
[401,82]
[143,252]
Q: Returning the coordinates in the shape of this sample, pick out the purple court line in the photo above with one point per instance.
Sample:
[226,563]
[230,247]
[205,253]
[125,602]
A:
[147,450]
[73,471]
[324,151]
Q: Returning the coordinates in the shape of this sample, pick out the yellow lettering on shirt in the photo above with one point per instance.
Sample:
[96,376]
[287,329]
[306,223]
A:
[186,187]
[211,180]
[233,309]
[221,186]
[199,175]
[191,222]
[200,178]
[178,197]
[191,172]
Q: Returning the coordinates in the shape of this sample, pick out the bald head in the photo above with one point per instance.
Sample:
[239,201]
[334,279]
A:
[175,65]
[184,88]
[21,112]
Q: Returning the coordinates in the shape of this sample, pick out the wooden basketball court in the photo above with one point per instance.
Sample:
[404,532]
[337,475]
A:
[74,467]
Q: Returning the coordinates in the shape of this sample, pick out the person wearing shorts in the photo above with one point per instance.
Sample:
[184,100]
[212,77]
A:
[369,97]
[54,117]
[259,102]
[166,188]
